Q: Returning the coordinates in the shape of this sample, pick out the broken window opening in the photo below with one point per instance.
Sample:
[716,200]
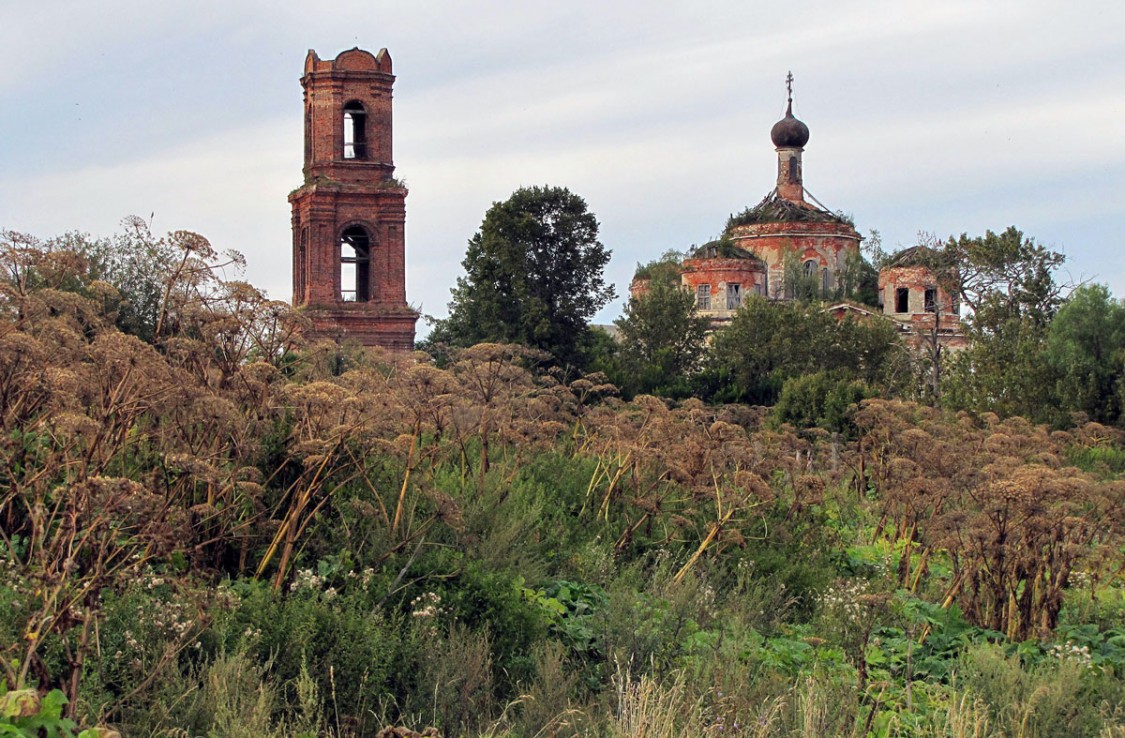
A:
[794,171]
[902,300]
[824,279]
[810,268]
[703,297]
[355,131]
[355,265]
[931,300]
[734,296]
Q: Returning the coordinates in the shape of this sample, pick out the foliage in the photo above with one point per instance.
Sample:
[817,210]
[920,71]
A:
[773,209]
[667,268]
[1002,277]
[768,343]
[1007,281]
[1015,522]
[662,339]
[230,531]
[1086,349]
[533,275]
[819,400]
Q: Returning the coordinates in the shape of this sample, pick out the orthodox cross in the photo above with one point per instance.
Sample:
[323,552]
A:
[789,85]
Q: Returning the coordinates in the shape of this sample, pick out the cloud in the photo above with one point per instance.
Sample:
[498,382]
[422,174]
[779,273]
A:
[948,117]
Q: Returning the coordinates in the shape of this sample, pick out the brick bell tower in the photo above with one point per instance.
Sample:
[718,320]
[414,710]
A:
[349,216]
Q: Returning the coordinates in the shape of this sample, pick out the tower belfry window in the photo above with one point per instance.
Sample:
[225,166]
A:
[355,265]
[355,131]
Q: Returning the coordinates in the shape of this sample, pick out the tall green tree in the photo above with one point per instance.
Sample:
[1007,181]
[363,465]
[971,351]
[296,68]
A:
[533,276]
[662,339]
[1007,281]
[1086,347]
[1002,276]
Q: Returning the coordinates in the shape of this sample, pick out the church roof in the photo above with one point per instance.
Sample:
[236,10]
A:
[776,209]
[914,256]
[789,133]
[721,248]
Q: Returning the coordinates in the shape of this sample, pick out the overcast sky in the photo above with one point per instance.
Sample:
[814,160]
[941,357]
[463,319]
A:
[940,117]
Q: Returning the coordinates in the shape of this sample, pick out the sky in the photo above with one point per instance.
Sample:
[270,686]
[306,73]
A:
[940,117]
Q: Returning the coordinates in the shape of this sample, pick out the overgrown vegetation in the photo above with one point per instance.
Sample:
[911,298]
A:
[212,527]
[776,209]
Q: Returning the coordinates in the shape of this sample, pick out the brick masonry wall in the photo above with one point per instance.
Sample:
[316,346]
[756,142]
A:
[340,193]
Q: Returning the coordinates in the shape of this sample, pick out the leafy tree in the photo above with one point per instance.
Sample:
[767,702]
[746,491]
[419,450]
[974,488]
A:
[1086,347]
[533,275]
[1001,277]
[1007,281]
[768,343]
[1005,372]
[662,338]
[821,400]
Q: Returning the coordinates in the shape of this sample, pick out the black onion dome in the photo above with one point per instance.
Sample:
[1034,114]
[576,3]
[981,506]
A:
[789,133]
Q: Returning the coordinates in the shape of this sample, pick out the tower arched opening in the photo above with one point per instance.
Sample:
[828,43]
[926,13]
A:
[355,265]
[355,130]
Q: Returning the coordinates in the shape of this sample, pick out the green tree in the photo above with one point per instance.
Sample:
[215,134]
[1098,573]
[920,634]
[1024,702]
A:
[822,400]
[662,339]
[1086,347]
[533,275]
[1001,276]
[1007,281]
[767,343]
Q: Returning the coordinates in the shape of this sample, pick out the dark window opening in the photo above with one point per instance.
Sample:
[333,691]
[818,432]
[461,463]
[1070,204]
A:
[824,278]
[355,265]
[794,171]
[810,268]
[703,297]
[902,300]
[301,267]
[734,296]
[931,300]
[355,131]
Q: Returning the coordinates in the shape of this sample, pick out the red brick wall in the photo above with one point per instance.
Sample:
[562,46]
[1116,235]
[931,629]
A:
[339,193]
[828,244]
[916,279]
[718,273]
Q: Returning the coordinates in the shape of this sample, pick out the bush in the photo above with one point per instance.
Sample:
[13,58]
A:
[820,400]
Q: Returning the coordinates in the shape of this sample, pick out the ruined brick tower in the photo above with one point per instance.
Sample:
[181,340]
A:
[349,216]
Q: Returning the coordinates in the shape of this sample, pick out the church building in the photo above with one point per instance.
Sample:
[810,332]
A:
[790,246]
[349,215]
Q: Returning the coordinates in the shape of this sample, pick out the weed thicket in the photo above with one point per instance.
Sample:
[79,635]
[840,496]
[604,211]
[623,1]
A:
[218,529]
